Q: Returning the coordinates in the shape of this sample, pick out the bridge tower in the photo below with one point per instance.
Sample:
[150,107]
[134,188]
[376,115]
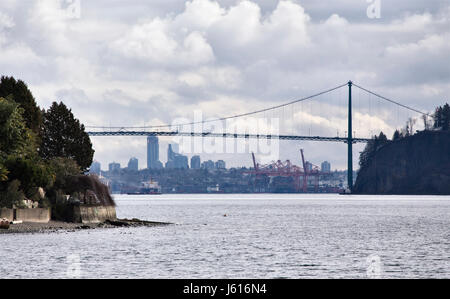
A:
[350,140]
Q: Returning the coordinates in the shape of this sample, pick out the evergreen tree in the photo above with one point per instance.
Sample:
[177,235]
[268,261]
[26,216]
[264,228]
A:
[382,139]
[23,96]
[63,136]
[442,118]
[20,166]
[446,117]
[437,117]
[397,135]
[371,148]
[30,172]
[15,137]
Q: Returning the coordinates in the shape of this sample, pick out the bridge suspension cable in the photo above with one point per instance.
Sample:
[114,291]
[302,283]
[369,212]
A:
[391,101]
[230,117]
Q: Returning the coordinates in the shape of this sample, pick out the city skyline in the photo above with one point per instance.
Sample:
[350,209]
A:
[172,152]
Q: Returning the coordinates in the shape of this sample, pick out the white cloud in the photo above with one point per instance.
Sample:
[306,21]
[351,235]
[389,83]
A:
[154,43]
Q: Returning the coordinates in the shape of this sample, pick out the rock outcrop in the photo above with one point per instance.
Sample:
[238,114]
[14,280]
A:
[418,164]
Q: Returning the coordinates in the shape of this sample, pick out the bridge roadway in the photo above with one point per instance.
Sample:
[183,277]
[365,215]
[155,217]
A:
[224,135]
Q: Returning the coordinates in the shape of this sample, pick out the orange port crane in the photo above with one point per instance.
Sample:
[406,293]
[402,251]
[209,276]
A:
[287,169]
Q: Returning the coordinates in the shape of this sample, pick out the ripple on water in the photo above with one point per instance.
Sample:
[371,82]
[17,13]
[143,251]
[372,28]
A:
[264,236]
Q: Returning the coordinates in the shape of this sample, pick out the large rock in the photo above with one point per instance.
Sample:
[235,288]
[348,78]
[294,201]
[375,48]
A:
[418,164]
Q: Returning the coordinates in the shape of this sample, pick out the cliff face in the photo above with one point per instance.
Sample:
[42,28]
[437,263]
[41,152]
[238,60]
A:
[418,164]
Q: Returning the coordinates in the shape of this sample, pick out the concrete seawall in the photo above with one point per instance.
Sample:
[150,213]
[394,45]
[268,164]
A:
[93,214]
[7,213]
[39,215]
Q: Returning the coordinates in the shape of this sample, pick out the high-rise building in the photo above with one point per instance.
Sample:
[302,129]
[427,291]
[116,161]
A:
[95,167]
[153,152]
[220,164]
[195,162]
[325,166]
[181,162]
[113,166]
[207,165]
[175,160]
[176,148]
[308,165]
[133,164]
[170,153]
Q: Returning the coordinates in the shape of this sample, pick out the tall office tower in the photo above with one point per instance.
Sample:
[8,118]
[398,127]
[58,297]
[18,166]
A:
[207,164]
[175,160]
[133,164]
[170,153]
[220,164]
[309,166]
[95,167]
[326,166]
[181,162]
[153,152]
[195,162]
[176,148]
[113,166]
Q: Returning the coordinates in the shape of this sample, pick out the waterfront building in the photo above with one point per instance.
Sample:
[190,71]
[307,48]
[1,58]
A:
[133,164]
[95,168]
[308,165]
[195,162]
[325,166]
[176,160]
[170,153]
[181,162]
[113,166]
[207,165]
[220,164]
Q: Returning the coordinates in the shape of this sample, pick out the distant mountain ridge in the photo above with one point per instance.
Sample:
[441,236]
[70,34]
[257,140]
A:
[418,164]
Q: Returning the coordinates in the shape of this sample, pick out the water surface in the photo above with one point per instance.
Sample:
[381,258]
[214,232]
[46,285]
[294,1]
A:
[248,236]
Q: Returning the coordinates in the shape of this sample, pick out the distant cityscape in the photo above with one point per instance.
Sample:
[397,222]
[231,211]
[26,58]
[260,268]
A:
[174,160]
[179,175]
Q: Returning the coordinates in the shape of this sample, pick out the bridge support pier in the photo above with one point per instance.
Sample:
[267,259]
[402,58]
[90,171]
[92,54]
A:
[350,140]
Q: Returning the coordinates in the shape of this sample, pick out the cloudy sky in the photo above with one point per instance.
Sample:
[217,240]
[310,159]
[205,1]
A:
[136,63]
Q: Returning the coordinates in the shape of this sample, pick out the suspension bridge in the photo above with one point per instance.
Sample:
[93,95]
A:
[300,120]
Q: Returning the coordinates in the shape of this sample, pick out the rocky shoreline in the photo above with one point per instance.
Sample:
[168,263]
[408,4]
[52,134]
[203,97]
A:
[60,226]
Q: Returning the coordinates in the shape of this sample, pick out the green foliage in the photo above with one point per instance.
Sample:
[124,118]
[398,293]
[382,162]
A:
[30,172]
[20,166]
[442,118]
[397,135]
[371,148]
[3,173]
[15,137]
[36,153]
[64,136]
[23,96]
[63,168]
[44,203]
[12,196]
[60,207]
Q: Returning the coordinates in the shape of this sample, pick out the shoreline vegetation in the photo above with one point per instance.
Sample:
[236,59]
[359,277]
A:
[413,162]
[45,157]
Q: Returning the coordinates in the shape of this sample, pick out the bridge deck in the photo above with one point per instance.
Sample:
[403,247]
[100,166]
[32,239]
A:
[223,135]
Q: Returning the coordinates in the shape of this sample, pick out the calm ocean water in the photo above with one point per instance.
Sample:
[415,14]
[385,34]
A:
[248,236]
